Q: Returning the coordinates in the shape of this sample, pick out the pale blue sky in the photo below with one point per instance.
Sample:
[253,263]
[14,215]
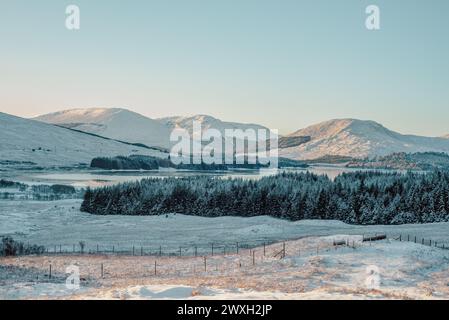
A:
[285,64]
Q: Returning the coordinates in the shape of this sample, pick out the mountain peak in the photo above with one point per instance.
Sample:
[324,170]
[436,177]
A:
[61,117]
[358,139]
[115,123]
[335,126]
[46,145]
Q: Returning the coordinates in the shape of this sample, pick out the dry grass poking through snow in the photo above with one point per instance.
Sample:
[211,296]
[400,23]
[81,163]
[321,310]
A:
[312,269]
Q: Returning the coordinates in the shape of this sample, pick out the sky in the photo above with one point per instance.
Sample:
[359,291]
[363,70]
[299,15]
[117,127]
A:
[285,64]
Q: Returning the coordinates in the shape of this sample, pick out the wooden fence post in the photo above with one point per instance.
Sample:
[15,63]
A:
[264,248]
[254,258]
[205,264]
[237,246]
[155,267]
[49,274]
[102,271]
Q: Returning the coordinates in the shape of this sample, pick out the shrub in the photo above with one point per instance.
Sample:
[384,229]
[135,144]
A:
[10,247]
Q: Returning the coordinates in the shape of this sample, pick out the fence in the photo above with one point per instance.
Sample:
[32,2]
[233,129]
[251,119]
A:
[422,241]
[195,250]
[194,260]
[243,258]
[206,249]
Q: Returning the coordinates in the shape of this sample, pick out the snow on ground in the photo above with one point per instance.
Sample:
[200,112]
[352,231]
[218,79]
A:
[312,269]
[114,123]
[23,140]
[358,139]
[55,223]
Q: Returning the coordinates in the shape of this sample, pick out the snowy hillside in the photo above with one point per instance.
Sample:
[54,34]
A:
[207,122]
[358,139]
[342,137]
[114,123]
[48,145]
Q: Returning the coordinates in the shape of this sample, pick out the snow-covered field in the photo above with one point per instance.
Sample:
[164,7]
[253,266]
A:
[312,269]
[54,223]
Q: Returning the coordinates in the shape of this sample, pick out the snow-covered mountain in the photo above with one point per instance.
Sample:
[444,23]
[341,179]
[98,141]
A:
[207,122]
[358,139]
[114,123]
[24,140]
[340,137]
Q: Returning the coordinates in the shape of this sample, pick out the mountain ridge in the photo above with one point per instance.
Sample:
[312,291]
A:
[115,123]
[34,142]
[359,139]
[346,137]
[207,122]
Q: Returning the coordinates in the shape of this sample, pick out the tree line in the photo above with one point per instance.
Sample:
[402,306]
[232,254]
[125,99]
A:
[356,198]
[138,162]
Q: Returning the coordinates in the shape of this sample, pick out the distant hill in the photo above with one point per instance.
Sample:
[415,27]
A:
[405,161]
[207,122]
[358,139]
[347,138]
[114,123]
[33,143]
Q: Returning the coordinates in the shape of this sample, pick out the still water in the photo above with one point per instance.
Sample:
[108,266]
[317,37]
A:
[98,178]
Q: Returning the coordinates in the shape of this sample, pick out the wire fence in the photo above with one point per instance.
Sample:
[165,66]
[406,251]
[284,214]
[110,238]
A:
[206,249]
[242,258]
[190,250]
[421,240]
[211,259]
